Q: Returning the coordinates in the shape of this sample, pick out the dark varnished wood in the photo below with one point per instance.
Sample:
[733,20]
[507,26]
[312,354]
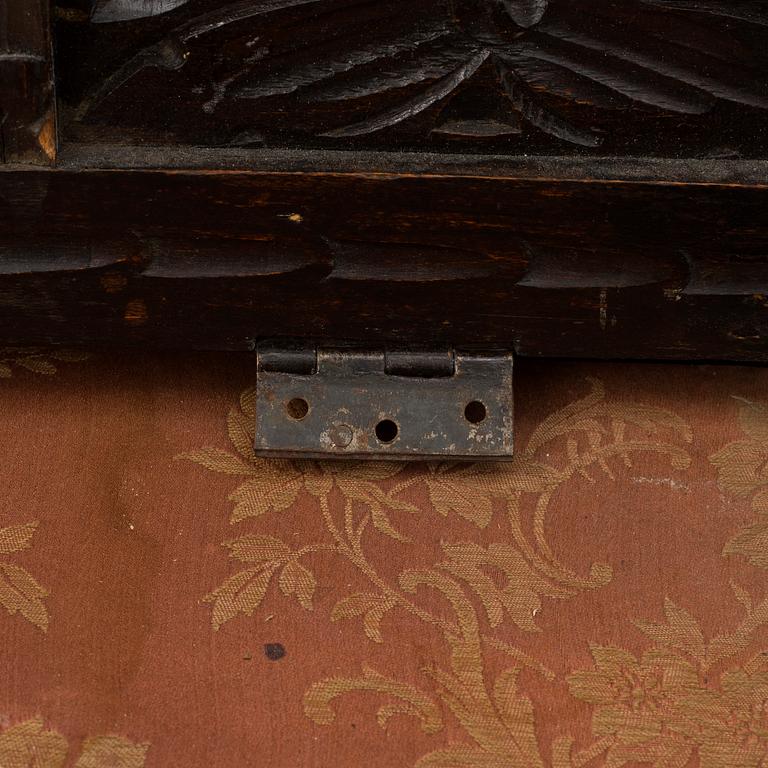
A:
[27,107]
[673,78]
[519,255]
[583,178]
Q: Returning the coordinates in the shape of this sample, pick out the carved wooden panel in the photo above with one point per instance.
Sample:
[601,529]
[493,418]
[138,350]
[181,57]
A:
[628,77]
[27,109]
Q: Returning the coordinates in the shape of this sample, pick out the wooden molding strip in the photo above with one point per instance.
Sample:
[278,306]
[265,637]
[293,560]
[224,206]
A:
[27,99]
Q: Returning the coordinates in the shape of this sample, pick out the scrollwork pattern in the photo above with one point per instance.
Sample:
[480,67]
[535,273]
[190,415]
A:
[491,590]
[681,698]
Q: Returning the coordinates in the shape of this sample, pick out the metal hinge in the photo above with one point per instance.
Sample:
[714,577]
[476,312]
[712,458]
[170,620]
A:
[323,402]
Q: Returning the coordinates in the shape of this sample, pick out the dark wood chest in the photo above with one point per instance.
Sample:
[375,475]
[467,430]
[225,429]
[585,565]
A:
[581,178]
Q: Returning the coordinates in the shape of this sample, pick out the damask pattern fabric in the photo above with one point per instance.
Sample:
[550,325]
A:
[168,599]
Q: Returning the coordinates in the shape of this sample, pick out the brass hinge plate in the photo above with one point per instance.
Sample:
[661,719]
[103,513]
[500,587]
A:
[315,402]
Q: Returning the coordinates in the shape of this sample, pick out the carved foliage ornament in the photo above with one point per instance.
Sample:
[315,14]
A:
[546,60]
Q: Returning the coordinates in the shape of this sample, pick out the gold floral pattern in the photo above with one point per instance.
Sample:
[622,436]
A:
[743,471]
[28,745]
[666,707]
[36,359]
[600,602]
[743,465]
[662,709]
[19,591]
[492,590]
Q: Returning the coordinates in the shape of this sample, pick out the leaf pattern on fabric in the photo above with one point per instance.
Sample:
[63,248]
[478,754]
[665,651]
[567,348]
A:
[19,591]
[743,465]
[319,697]
[662,709]
[484,586]
[111,752]
[28,745]
[669,707]
[36,360]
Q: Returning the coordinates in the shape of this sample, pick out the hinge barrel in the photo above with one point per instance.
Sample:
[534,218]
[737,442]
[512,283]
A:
[293,357]
[427,364]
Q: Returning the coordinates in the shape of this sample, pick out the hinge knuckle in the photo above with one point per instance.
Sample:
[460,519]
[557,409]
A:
[287,357]
[425,364]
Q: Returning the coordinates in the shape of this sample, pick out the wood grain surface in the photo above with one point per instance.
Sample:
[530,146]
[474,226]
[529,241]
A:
[548,266]
[27,102]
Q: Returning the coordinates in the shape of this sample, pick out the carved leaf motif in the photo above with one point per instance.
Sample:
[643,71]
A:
[687,65]
[418,103]
[526,13]
[744,10]
[313,77]
[27,745]
[107,11]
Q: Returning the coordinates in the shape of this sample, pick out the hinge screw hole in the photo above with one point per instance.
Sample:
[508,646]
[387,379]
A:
[297,408]
[386,431]
[475,412]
